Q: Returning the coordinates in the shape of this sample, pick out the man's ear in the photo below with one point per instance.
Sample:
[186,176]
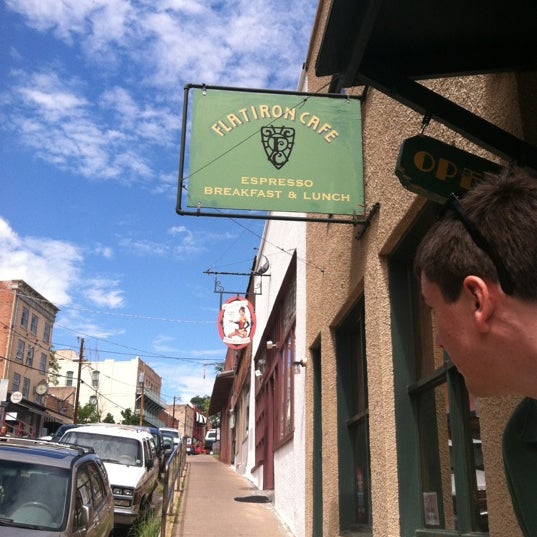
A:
[479,293]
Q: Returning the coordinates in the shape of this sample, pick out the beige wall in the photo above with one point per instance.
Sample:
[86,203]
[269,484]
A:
[354,266]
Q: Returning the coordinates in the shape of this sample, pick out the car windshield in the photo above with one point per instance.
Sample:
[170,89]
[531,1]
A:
[114,449]
[33,496]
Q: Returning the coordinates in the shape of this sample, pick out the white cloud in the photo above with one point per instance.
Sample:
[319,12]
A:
[164,344]
[145,247]
[183,41]
[104,251]
[104,293]
[185,379]
[38,261]
[115,132]
[185,244]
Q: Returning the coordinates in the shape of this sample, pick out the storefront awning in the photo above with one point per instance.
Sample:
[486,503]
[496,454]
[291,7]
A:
[223,383]
[390,44]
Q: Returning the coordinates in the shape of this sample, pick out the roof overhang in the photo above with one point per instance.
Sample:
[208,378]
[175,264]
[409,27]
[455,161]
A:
[223,383]
[390,44]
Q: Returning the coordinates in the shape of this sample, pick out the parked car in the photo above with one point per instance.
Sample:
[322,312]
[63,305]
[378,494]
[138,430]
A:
[193,446]
[174,433]
[53,491]
[62,429]
[211,437]
[130,459]
[168,444]
[158,440]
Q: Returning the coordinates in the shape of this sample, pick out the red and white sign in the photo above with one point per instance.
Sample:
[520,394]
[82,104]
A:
[236,323]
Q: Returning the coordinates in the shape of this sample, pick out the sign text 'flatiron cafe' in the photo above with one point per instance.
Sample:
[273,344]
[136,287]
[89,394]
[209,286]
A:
[275,152]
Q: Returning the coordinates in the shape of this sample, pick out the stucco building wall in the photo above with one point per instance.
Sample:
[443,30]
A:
[351,267]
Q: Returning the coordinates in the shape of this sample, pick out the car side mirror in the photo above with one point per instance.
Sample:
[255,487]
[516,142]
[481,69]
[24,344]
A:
[150,464]
[85,514]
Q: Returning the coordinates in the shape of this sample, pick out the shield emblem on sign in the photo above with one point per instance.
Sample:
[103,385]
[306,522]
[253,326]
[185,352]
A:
[278,143]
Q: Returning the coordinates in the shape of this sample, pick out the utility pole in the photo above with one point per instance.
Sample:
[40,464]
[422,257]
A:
[173,412]
[78,379]
[141,381]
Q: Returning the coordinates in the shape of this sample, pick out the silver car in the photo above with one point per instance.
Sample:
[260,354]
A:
[52,490]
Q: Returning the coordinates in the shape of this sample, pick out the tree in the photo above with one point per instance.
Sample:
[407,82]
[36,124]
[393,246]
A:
[88,414]
[109,418]
[53,368]
[129,418]
[201,402]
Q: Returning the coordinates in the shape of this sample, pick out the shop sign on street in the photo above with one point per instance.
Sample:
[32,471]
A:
[435,169]
[237,323]
[262,151]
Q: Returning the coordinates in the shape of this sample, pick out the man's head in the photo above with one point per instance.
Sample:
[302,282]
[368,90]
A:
[504,210]
[481,318]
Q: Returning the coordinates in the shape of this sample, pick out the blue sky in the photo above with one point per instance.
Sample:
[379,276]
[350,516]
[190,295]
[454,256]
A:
[90,115]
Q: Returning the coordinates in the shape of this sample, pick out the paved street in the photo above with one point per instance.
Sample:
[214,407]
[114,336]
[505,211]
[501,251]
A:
[209,507]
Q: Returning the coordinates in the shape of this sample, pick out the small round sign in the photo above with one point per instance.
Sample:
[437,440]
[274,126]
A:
[16,397]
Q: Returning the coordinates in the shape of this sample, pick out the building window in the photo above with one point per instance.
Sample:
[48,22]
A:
[449,440]
[69,378]
[30,356]
[24,317]
[261,425]
[26,387]
[443,471]
[16,382]
[285,386]
[353,423]
[33,324]
[43,362]
[20,350]
[46,333]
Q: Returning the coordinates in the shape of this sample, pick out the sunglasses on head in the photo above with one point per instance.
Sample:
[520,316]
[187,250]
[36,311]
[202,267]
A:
[504,277]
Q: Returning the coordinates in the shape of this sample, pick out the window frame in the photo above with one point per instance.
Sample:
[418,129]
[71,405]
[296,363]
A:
[355,500]
[25,315]
[69,378]
[30,356]
[25,387]
[413,345]
[47,330]
[21,347]
[43,362]
[16,382]
[34,323]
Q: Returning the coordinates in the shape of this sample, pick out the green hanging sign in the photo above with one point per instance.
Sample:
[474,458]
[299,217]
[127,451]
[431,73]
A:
[290,152]
[435,169]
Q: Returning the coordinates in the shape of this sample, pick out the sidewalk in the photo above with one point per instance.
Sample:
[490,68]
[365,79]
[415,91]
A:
[209,508]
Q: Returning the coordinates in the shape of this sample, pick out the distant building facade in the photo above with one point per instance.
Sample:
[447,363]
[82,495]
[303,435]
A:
[26,325]
[113,386]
